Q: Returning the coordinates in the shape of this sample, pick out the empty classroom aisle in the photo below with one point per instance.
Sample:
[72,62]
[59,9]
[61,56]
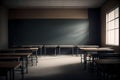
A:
[61,67]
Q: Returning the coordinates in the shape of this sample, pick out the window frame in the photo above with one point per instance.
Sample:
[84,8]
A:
[108,21]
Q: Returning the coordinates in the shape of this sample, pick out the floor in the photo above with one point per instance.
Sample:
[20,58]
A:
[61,67]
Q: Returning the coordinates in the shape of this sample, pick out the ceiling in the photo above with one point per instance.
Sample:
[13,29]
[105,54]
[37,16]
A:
[54,3]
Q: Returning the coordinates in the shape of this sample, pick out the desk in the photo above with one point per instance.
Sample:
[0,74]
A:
[50,46]
[36,54]
[24,57]
[27,49]
[108,66]
[10,66]
[33,46]
[108,61]
[66,46]
[98,50]
[85,46]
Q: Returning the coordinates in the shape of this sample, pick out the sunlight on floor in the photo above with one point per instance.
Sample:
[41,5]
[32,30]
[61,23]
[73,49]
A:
[50,65]
[54,61]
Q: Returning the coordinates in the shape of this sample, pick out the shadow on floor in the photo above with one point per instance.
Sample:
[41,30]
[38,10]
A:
[64,72]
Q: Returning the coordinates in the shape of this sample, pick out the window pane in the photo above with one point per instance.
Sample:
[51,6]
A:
[116,12]
[116,23]
[111,36]
[107,37]
[111,15]
[116,36]
[111,25]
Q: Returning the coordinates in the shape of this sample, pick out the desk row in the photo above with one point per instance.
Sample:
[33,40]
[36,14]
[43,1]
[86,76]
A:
[10,62]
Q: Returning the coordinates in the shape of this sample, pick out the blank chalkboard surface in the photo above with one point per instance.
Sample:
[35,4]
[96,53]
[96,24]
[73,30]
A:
[48,31]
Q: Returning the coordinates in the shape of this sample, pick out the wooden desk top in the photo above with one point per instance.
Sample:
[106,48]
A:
[23,49]
[108,61]
[7,57]
[87,46]
[16,54]
[69,46]
[37,46]
[50,46]
[34,48]
[9,65]
[97,49]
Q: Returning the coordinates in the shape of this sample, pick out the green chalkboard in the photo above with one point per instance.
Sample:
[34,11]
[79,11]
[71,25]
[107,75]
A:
[48,31]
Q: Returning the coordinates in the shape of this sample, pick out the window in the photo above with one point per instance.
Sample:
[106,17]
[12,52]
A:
[112,27]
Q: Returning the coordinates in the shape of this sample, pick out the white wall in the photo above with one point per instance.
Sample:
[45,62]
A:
[3,27]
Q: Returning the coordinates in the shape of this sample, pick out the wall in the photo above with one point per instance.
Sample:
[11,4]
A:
[94,26]
[3,27]
[31,19]
[109,5]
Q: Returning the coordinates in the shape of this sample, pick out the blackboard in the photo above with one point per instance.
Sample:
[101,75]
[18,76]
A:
[48,31]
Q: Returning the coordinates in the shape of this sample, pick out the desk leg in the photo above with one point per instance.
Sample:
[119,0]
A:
[45,50]
[76,51]
[32,59]
[85,60]
[13,74]
[22,72]
[41,51]
[12,77]
[59,50]
[22,66]
[72,51]
[55,51]
[10,74]
[26,64]
[36,57]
